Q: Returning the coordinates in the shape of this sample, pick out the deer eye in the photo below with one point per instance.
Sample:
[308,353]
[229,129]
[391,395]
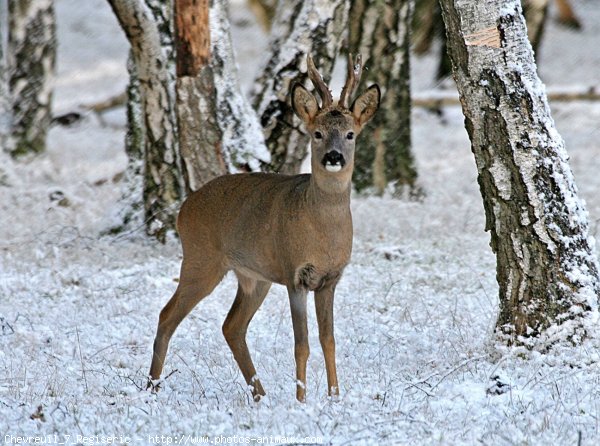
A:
[350,135]
[318,135]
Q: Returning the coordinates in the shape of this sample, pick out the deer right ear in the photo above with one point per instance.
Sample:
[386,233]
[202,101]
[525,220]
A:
[365,106]
[304,103]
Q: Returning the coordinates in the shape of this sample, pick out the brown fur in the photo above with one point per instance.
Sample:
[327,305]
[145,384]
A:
[293,230]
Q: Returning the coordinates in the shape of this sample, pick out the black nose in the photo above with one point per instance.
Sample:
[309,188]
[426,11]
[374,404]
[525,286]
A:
[334,158]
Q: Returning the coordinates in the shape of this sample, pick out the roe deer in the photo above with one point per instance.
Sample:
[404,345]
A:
[295,230]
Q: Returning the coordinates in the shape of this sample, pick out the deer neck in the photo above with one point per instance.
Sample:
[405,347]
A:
[329,191]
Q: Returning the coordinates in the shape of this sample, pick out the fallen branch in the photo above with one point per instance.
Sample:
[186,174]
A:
[107,104]
[437,98]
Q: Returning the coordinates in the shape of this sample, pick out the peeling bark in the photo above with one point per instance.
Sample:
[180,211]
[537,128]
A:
[380,31]
[32,56]
[218,130]
[199,131]
[547,269]
[300,28]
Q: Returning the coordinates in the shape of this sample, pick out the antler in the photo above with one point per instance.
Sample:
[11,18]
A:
[352,79]
[318,82]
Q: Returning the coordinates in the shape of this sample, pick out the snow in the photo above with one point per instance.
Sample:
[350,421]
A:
[415,309]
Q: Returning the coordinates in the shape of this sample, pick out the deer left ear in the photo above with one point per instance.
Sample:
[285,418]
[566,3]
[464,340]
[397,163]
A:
[304,103]
[364,107]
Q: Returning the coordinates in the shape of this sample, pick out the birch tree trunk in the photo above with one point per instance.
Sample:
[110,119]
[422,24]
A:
[199,132]
[380,31]
[243,141]
[547,270]
[300,28]
[218,130]
[6,176]
[130,214]
[163,186]
[32,55]
[5,102]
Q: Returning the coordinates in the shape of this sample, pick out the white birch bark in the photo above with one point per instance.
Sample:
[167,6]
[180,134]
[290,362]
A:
[5,102]
[31,56]
[243,142]
[163,187]
[547,269]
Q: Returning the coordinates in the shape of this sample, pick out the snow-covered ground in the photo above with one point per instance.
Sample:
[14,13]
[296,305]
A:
[414,311]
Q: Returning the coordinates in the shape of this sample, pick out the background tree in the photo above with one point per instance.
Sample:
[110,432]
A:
[300,28]
[5,103]
[182,129]
[162,185]
[199,132]
[380,31]
[218,130]
[243,140]
[31,58]
[547,270]
[535,12]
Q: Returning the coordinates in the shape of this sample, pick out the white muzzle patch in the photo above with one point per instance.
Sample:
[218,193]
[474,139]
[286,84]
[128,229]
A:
[333,167]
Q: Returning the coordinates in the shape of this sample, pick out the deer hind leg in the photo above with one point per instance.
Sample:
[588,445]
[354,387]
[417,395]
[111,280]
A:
[250,295]
[324,311]
[301,348]
[195,283]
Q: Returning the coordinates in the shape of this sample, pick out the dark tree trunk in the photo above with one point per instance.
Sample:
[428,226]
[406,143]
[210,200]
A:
[425,23]
[547,270]
[566,15]
[32,55]
[380,31]
[536,12]
[163,186]
[300,28]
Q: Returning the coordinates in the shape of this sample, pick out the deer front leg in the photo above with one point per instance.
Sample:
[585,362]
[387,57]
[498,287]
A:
[301,349]
[324,310]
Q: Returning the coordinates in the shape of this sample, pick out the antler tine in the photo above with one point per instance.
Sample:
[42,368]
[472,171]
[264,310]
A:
[352,79]
[317,80]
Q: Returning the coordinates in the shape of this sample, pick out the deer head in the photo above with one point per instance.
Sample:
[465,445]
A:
[333,128]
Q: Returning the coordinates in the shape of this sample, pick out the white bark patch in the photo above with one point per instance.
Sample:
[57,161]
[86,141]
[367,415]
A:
[501,176]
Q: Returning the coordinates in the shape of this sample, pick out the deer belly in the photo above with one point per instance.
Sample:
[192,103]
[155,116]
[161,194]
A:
[255,275]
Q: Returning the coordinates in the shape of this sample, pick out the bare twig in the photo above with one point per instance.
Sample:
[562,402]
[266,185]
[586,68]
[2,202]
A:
[81,360]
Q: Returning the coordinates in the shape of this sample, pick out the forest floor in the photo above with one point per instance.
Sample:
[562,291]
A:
[415,309]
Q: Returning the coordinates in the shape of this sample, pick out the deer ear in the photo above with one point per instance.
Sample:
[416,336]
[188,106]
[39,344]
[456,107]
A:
[304,103]
[364,107]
